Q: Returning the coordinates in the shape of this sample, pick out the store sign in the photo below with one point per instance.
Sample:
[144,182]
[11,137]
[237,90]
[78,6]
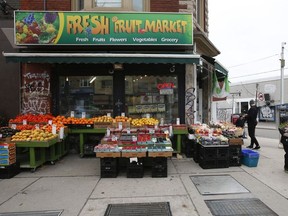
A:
[165,88]
[102,28]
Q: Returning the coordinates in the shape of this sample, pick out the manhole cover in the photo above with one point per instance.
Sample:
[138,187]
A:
[139,209]
[239,207]
[33,213]
[217,184]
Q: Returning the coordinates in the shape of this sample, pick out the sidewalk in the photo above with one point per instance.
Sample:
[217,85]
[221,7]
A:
[74,185]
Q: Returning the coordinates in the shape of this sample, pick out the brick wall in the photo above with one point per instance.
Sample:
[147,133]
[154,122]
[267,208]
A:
[165,6]
[51,5]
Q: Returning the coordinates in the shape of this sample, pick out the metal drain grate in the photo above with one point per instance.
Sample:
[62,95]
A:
[33,213]
[139,209]
[217,184]
[239,207]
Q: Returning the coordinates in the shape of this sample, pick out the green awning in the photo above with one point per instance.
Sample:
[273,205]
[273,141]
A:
[219,68]
[96,58]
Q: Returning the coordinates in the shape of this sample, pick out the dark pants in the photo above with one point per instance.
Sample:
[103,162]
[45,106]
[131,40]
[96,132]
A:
[286,156]
[251,132]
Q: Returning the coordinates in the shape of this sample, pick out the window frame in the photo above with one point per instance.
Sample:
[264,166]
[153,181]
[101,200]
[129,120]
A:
[200,13]
[127,5]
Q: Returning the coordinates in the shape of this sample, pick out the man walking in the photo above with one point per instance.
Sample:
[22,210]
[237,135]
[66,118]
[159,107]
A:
[251,117]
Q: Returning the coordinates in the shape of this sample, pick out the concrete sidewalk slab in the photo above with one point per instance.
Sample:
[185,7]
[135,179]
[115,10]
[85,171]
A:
[74,184]
[138,187]
[52,193]
[179,204]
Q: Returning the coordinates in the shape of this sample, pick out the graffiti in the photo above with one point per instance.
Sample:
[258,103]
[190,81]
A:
[189,105]
[35,105]
[36,92]
[267,113]
[224,115]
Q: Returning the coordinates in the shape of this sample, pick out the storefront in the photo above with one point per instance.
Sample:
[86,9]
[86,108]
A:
[97,63]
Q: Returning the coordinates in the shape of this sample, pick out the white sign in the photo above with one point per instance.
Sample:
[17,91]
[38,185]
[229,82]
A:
[53,129]
[166,91]
[260,96]
[61,133]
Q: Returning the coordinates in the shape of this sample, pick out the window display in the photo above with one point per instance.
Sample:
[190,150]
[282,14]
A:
[90,94]
[156,96]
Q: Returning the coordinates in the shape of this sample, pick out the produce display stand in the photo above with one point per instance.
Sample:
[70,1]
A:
[53,153]
[148,146]
[179,131]
[42,146]
[81,133]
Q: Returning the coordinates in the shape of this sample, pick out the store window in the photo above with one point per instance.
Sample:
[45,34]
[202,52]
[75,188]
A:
[89,94]
[156,96]
[112,5]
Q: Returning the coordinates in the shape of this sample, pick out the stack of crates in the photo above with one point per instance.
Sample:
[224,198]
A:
[7,153]
[211,156]
[159,167]
[235,153]
[135,169]
[8,166]
[109,167]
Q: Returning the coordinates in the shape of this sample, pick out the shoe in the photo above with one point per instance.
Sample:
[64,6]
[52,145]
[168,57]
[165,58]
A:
[249,147]
[257,147]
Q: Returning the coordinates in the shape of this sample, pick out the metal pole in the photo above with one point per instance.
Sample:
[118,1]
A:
[256,96]
[282,60]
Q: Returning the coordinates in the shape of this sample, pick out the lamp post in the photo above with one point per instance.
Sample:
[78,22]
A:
[282,62]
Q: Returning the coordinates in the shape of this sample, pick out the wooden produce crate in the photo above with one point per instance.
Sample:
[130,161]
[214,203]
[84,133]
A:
[160,154]
[108,154]
[5,140]
[134,154]
[235,141]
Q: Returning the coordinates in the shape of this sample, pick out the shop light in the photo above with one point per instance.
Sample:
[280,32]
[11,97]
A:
[118,66]
[92,80]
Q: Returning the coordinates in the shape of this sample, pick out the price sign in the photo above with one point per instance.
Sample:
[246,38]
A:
[83,114]
[53,129]
[61,133]
[24,122]
[72,114]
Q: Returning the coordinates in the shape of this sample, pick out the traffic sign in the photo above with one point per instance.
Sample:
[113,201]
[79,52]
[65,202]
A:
[260,96]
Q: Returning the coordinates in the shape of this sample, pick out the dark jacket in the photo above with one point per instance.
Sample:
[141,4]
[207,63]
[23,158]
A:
[240,122]
[252,116]
[284,139]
